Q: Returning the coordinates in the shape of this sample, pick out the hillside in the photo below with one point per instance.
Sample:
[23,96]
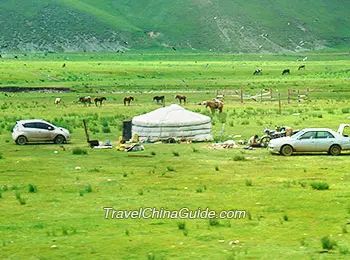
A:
[217,25]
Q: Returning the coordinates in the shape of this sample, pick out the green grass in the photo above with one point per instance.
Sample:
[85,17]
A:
[252,26]
[66,211]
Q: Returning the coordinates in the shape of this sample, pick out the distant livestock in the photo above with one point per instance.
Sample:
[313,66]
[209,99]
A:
[213,105]
[58,101]
[286,71]
[159,98]
[85,100]
[180,98]
[257,72]
[99,100]
[128,100]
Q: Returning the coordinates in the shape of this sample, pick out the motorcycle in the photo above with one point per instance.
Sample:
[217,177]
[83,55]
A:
[280,131]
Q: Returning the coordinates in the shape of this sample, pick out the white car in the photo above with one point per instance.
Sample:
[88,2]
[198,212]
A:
[37,130]
[311,140]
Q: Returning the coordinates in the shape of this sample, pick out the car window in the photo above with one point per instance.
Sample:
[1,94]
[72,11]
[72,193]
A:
[43,126]
[30,125]
[308,135]
[324,134]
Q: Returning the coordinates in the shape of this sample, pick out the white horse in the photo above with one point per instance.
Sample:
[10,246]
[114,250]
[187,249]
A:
[58,101]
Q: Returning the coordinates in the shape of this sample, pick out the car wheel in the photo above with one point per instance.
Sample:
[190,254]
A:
[59,139]
[286,150]
[21,140]
[335,149]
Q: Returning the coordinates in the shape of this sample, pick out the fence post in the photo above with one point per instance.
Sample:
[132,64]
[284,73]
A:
[241,95]
[271,94]
[289,96]
[298,95]
[279,103]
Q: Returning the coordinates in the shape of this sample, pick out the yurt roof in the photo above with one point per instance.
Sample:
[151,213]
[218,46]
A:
[173,115]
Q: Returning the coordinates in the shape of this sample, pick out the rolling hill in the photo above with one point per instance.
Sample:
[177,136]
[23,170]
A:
[258,26]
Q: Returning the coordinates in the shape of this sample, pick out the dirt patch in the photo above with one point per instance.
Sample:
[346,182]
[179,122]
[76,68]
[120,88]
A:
[33,89]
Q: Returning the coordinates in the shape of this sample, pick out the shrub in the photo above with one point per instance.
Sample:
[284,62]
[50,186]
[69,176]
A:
[285,218]
[195,150]
[239,157]
[199,190]
[328,243]
[79,151]
[170,169]
[22,201]
[106,129]
[32,188]
[319,185]
[345,110]
[88,188]
[181,225]
[217,168]
[214,222]
[248,182]
[153,153]
[176,154]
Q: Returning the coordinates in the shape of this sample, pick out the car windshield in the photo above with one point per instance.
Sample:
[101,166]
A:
[300,133]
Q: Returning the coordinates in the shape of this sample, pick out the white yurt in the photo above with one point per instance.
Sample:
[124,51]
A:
[172,122]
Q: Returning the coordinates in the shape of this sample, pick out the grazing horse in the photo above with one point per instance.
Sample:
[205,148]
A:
[180,98]
[159,98]
[128,99]
[286,71]
[214,105]
[58,101]
[99,99]
[301,67]
[85,100]
[257,72]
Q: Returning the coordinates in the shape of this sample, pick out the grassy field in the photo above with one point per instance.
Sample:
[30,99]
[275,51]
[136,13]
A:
[52,199]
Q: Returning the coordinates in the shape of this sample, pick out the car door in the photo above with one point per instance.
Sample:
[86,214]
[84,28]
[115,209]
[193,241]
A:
[30,131]
[45,131]
[306,142]
[323,141]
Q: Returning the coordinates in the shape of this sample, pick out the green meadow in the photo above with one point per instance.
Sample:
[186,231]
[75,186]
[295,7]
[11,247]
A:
[53,197]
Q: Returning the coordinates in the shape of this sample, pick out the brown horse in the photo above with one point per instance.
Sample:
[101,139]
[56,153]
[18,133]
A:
[99,100]
[180,98]
[85,100]
[128,99]
[159,98]
[214,105]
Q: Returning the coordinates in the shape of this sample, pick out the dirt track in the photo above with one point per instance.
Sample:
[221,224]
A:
[33,89]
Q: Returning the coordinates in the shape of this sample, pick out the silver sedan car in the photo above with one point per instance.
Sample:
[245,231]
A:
[311,140]
[37,130]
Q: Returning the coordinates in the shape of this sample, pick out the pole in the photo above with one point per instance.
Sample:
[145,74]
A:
[279,103]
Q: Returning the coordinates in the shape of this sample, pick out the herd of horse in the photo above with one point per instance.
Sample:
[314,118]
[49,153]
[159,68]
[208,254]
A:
[215,104]
[284,72]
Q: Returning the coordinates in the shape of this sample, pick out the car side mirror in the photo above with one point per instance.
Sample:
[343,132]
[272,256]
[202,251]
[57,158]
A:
[50,128]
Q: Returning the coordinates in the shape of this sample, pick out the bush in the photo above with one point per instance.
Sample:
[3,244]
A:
[88,188]
[181,225]
[328,243]
[106,129]
[239,157]
[32,188]
[79,151]
[319,185]
[248,182]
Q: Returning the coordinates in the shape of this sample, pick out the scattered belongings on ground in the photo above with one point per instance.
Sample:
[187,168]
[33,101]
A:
[229,144]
